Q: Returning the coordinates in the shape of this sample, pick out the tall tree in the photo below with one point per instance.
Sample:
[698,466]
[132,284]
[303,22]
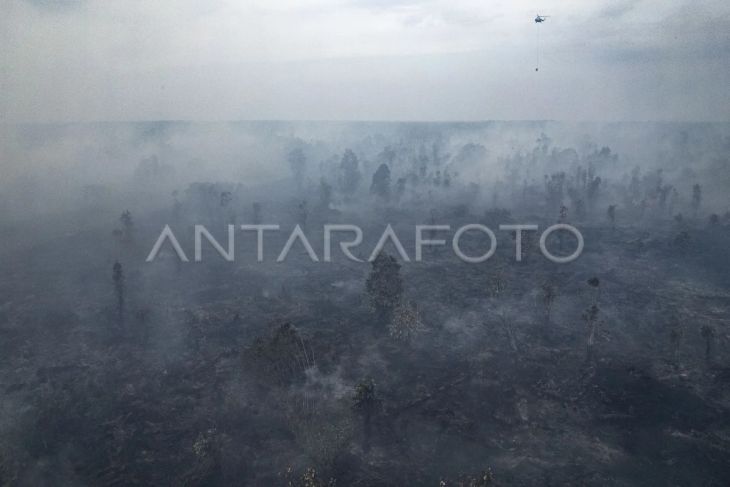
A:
[298,165]
[118,279]
[549,293]
[611,212]
[325,194]
[256,213]
[349,173]
[302,213]
[381,182]
[127,225]
[384,287]
[696,199]
[708,333]
[366,403]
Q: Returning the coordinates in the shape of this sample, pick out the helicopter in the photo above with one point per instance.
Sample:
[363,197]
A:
[539,19]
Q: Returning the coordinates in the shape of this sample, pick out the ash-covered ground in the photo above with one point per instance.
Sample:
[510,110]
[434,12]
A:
[612,369]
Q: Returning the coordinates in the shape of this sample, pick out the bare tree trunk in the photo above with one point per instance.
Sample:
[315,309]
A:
[590,353]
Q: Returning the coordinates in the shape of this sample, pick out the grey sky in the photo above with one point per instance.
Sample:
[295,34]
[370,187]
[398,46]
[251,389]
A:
[69,60]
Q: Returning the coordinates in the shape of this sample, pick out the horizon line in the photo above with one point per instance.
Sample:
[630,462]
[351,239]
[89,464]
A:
[360,121]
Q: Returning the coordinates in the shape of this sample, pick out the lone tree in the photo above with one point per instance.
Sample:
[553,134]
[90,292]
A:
[590,316]
[497,282]
[176,207]
[682,242]
[384,286]
[549,293]
[302,213]
[325,194]
[127,225]
[562,218]
[611,212]
[256,213]
[714,220]
[595,283]
[696,199]
[225,199]
[349,173]
[708,333]
[298,165]
[400,188]
[118,279]
[381,182]
[563,215]
[592,192]
[366,403]
[675,339]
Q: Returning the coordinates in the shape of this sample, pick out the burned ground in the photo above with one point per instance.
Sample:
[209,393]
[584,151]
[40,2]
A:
[266,373]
